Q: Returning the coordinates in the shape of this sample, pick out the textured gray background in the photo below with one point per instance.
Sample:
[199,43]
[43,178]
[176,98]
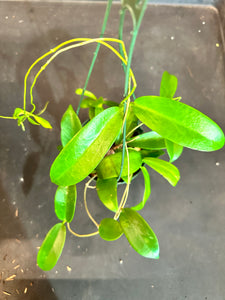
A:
[189,220]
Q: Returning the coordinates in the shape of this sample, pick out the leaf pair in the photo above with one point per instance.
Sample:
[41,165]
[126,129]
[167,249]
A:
[21,115]
[137,231]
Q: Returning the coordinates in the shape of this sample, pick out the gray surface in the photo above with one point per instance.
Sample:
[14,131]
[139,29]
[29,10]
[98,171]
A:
[188,220]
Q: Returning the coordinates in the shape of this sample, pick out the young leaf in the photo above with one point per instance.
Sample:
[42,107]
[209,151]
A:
[87,94]
[148,140]
[70,125]
[18,111]
[87,148]
[166,169]
[147,190]
[168,85]
[110,229]
[179,123]
[174,150]
[139,234]
[107,192]
[110,166]
[52,247]
[44,123]
[88,102]
[32,121]
[65,202]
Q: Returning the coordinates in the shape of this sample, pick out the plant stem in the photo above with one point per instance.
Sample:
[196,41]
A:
[108,8]
[128,66]
[81,235]
[85,201]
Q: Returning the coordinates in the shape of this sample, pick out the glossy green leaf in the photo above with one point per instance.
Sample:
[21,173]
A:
[179,123]
[110,166]
[168,85]
[44,123]
[166,169]
[70,125]
[139,234]
[174,150]
[147,190]
[65,202]
[87,148]
[110,229]
[148,140]
[52,247]
[87,94]
[107,192]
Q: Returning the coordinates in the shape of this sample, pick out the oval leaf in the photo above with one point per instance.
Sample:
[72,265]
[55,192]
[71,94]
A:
[70,125]
[168,85]
[65,202]
[147,190]
[107,192]
[110,229]
[174,150]
[87,148]
[139,234]
[149,140]
[179,123]
[166,169]
[44,123]
[52,247]
[88,94]
[110,166]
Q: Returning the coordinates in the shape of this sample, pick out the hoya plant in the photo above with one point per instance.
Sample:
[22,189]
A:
[111,147]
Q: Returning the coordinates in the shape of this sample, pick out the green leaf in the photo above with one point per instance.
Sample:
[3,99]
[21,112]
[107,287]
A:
[168,85]
[86,93]
[135,8]
[139,234]
[147,190]
[151,153]
[110,166]
[65,202]
[18,111]
[91,113]
[110,229]
[70,125]
[174,150]
[107,192]
[32,121]
[87,148]
[44,123]
[110,103]
[149,140]
[98,110]
[52,247]
[179,123]
[88,102]
[166,169]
